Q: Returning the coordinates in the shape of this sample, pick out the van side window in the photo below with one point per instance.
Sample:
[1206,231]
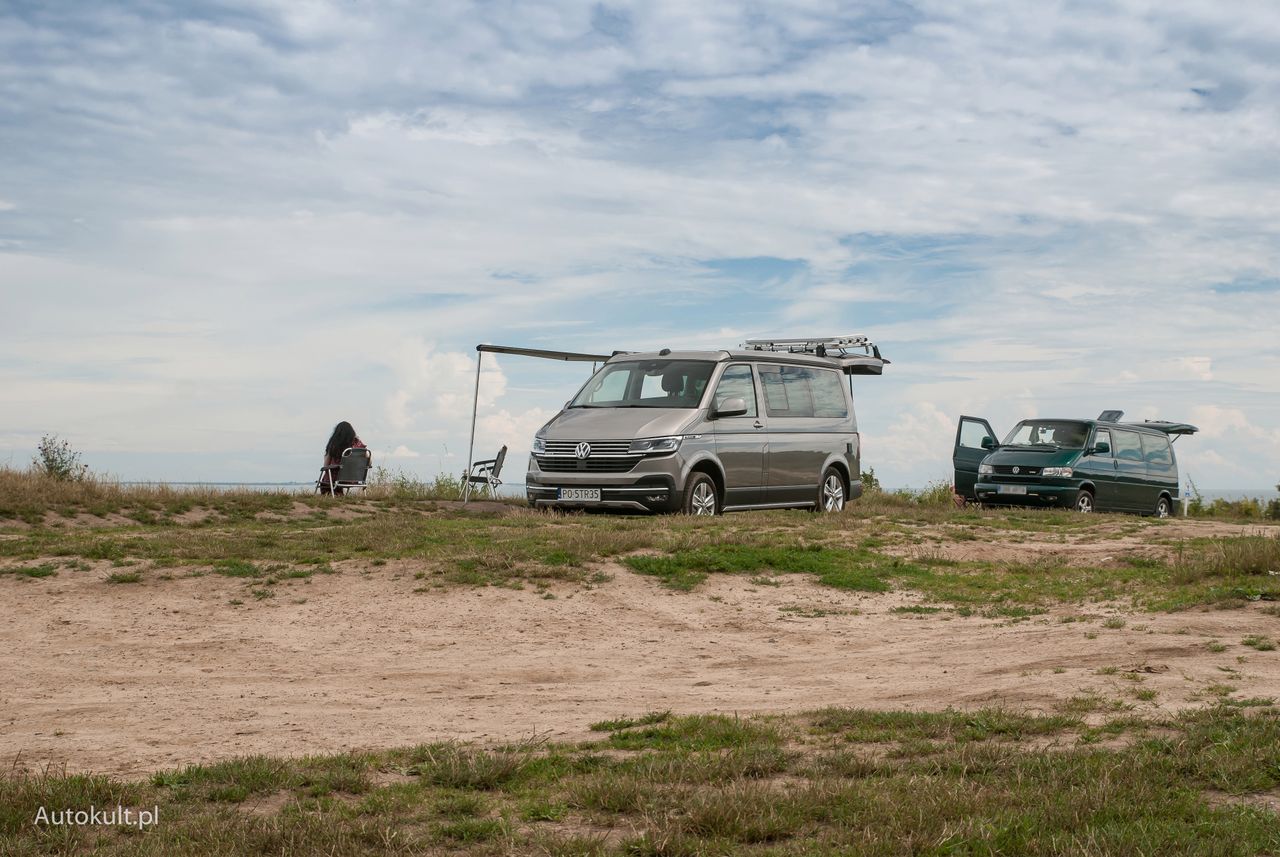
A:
[1128,446]
[775,395]
[828,394]
[786,391]
[1155,449]
[736,383]
[1104,436]
[972,434]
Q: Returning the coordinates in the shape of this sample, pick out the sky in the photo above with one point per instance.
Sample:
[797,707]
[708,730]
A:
[225,226]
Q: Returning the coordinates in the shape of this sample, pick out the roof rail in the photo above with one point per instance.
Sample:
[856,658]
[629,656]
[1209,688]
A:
[856,355]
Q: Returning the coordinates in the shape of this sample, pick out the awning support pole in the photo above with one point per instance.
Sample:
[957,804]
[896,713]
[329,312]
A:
[471,446]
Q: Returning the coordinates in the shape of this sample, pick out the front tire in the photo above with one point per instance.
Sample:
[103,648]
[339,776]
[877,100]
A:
[1164,508]
[831,493]
[700,496]
[1083,502]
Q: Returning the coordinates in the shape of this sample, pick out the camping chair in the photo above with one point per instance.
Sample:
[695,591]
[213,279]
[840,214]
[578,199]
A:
[484,473]
[351,473]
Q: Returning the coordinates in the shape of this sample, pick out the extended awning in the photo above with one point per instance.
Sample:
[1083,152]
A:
[542,353]
[573,356]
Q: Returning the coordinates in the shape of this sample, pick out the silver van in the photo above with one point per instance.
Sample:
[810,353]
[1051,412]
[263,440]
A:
[769,426]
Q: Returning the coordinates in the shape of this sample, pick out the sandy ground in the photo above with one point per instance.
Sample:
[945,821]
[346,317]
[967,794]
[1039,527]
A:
[126,679]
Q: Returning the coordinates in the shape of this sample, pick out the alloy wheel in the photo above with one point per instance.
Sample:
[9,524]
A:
[703,500]
[1162,508]
[832,494]
[1084,503]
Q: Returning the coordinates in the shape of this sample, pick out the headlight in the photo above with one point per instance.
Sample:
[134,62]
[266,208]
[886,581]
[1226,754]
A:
[539,446]
[985,469]
[656,444]
[1056,471]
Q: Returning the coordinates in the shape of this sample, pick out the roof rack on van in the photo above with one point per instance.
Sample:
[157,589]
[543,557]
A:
[856,355]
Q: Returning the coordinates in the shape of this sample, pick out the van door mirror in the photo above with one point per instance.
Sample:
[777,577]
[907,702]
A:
[1101,448]
[988,442]
[735,407]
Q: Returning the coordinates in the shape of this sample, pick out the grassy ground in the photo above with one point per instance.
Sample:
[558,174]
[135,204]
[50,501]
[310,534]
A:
[836,781]
[1088,780]
[880,543]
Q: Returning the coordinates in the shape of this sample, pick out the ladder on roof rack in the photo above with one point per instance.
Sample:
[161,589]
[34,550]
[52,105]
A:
[857,355]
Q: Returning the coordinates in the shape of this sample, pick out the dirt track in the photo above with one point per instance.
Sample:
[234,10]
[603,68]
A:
[129,678]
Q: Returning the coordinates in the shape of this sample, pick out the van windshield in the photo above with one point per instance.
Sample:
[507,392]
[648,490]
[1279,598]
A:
[647,384]
[1060,434]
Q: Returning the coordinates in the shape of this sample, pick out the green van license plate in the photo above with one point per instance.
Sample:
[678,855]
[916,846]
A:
[1013,489]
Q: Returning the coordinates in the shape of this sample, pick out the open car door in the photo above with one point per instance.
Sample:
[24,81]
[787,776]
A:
[974,441]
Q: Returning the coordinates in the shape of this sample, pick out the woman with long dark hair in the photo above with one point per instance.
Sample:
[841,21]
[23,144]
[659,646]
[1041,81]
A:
[343,438]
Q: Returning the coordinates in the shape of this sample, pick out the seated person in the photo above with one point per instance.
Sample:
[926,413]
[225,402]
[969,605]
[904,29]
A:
[343,438]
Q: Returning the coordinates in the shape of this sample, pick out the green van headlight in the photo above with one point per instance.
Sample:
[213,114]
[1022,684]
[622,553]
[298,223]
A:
[1056,471]
[985,469]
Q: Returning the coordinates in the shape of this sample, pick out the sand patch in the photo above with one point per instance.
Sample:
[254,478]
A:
[126,679]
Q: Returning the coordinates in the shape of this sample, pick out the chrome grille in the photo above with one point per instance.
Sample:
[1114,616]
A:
[599,448]
[593,464]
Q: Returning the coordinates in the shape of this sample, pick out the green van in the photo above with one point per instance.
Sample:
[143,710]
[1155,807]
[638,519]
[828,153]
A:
[1086,465]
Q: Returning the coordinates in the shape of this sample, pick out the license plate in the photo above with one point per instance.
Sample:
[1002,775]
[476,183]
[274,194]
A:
[1013,489]
[590,494]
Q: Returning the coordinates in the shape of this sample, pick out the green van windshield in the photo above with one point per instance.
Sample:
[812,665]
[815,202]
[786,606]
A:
[1063,434]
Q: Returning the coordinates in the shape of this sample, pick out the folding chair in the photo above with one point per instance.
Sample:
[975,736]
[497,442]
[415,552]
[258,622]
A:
[484,473]
[352,472]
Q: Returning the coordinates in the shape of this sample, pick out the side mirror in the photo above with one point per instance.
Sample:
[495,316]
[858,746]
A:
[1101,448]
[988,442]
[735,407]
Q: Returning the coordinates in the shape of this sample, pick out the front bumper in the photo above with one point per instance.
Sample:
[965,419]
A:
[653,485]
[1037,493]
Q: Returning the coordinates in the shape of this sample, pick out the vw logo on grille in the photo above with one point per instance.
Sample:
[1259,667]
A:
[582,450]
[1016,470]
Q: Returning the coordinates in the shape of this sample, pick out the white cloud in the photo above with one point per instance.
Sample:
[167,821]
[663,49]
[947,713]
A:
[276,215]
[919,440]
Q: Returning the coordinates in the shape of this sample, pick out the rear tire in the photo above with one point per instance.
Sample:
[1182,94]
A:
[1083,501]
[700,496]
[831,493]
[1164,508]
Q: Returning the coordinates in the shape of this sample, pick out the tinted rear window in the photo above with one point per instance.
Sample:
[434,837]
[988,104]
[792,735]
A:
[828,394]
[1155,449]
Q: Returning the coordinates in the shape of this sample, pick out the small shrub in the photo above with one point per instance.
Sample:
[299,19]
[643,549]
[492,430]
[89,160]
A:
[1262,644]
[56,459]
[871,482]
